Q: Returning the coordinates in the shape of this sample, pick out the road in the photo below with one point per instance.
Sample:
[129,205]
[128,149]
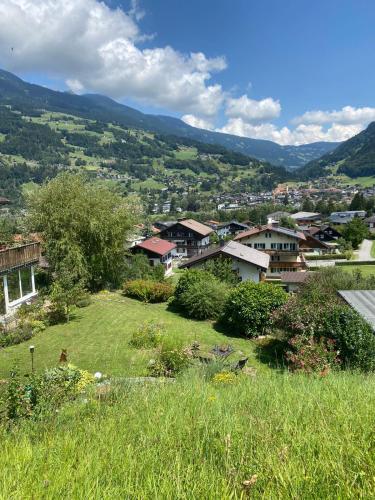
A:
[364,251]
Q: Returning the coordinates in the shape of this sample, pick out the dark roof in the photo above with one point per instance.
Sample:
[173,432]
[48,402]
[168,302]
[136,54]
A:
[370,219]
[363,301]
[4,201]
[296,277]
[277,229]
[156,245]
[235,222]
[236,250]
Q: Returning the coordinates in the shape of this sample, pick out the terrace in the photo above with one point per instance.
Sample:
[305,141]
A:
[19,257]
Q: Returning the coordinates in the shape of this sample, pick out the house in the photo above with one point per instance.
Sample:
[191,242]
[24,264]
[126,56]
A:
[347,216]
[370,221]
[157,251]
[313,244]
[231,228]
[362,301]
[17,281]
[4,201]
[247,263]
[277,216]
[280,243]
[191,237]
[305,218]
[293,281]
[324,233]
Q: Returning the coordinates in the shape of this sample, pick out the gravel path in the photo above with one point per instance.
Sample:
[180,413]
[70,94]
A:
[364,251]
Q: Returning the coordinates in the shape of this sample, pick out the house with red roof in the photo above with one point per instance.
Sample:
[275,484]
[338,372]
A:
[157,251]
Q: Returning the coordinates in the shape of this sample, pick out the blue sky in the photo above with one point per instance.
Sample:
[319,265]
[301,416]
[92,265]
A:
[292,71]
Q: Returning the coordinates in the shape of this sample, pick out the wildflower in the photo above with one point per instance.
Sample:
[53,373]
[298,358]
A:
[224,378]
[212,398]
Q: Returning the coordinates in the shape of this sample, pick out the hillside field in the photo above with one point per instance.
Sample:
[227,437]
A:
[267,434]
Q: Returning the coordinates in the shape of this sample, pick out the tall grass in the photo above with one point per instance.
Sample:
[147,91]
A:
[293,436]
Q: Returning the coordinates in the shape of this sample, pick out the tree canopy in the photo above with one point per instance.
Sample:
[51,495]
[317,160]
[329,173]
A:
[84,226]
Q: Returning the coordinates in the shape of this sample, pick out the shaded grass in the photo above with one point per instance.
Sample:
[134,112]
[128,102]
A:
[97,338]
[296,436]
[373,249]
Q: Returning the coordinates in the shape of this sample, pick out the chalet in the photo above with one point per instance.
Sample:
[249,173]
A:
[17,281]
[247,263]
[313,244]
[347,216]
[157,251]
[231,228]
[324,233]
[370,221]
[280,243]
[305,218]
[191,237]
[277,216]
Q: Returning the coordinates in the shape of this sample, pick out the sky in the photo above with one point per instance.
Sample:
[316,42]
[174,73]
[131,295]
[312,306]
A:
[291,71]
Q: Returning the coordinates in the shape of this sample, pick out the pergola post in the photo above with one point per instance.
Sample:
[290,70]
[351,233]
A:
[6,294]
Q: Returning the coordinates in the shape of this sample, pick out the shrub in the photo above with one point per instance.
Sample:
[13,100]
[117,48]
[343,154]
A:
[169,362]
[148,335]
[354,337]
[187,279]
[310,355]
[148,291]
[137,267]
[249,307]
[204,300]
[16,336]
[85,301]
[222,269]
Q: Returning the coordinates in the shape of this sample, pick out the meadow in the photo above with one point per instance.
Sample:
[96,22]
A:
[265,433]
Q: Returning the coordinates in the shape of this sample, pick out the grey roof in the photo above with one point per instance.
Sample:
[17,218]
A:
[363,301]
[305,215]
[370,219]
[236,250]
[295,277]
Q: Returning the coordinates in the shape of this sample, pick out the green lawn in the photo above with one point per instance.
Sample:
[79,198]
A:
[366,270]
[373,249]
[97,339]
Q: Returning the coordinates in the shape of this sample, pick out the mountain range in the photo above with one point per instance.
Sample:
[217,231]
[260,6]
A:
[27,97]
[354,158]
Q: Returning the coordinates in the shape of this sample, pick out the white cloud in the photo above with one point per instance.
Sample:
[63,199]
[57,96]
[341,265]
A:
[345,116]
[96,48]
[302,134]
[197,122]
[250,110]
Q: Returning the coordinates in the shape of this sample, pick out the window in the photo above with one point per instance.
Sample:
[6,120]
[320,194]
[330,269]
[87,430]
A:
[260,245]
[13,286]
[26,281]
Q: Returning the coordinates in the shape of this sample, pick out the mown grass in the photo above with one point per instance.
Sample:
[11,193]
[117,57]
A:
[373,249]
[366,270]
[291,436]
[97,338]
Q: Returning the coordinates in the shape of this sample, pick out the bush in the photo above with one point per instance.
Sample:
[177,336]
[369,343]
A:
[327,256]
[204,300]
[354,337]
[309,355]
[169,362]
[148,335]
[137,267]
[200,295]
[148,291]
[249,307]
[325,322]
[16,336]
[85,301]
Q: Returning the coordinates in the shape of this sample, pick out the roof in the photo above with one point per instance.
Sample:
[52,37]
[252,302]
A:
[236,250]
[156,245]
[4,201]
[370,219]
[295,277]
[240,224]
[195,226]
[363,301]
[314,229]
[305,215]
[278,215]
[276,229]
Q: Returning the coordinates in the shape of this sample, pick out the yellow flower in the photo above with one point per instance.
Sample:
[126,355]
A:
[224,378]
[211,398]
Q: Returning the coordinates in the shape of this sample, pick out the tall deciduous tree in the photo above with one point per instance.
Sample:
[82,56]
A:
[84,226]
[355,231]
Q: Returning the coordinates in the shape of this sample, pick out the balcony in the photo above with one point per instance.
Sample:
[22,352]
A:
[18,257]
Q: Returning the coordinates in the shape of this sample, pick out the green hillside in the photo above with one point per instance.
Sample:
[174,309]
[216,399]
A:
[353,158]
[29,99]
[35,146]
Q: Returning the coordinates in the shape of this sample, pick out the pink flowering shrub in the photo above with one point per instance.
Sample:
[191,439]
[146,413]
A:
[310,355]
